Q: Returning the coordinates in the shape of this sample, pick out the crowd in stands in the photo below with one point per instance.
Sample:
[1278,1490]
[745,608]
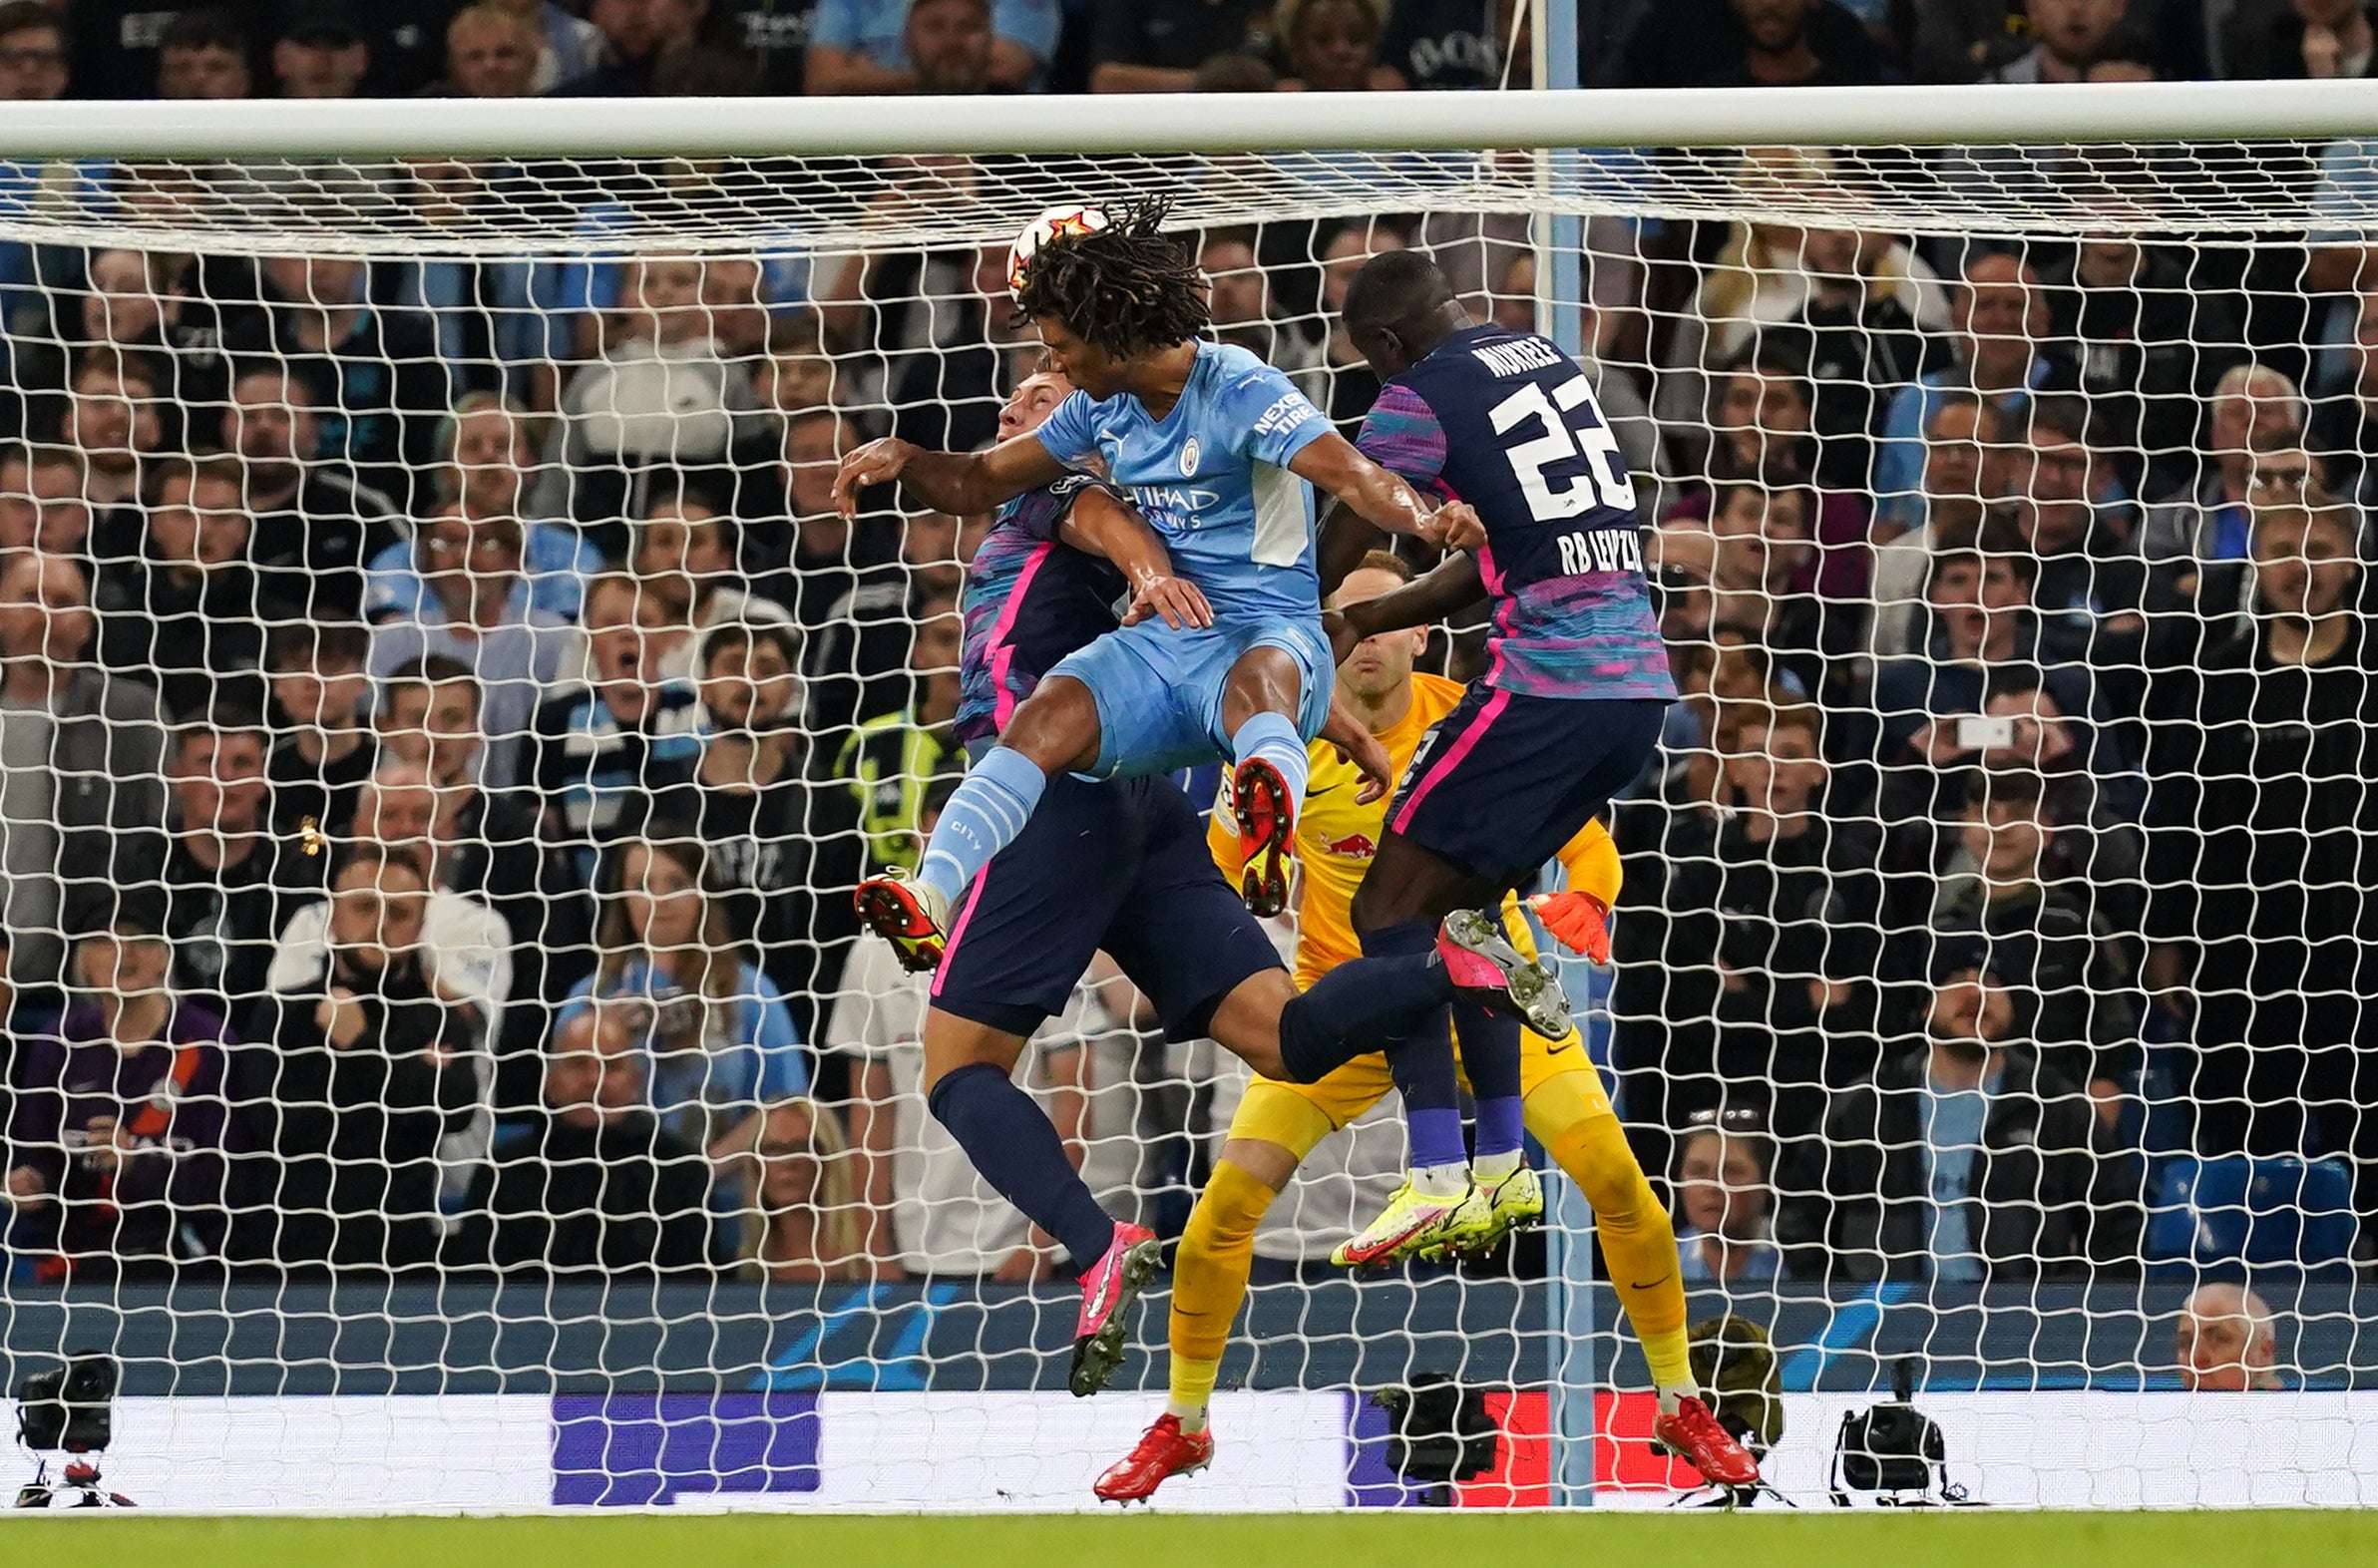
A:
[443,715]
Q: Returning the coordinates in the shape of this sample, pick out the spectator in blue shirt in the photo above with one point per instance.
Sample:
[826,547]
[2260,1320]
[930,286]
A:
[1725,1233]
[718,1040]
[872,46]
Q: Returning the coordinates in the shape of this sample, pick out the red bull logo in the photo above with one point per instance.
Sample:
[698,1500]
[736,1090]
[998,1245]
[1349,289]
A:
[1355,846]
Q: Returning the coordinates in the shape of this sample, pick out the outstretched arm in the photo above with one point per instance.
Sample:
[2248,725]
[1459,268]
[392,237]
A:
[952,482]
[1424,602]
[1380,498]
[1100,525]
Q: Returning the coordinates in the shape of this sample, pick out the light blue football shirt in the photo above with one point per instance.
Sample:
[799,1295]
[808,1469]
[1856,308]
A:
[1212,478]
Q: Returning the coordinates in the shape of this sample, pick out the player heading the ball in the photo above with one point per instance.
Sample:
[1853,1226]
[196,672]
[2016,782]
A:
[1224,655]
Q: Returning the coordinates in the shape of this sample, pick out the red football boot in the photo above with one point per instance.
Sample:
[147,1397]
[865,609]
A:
[1694,1435]
[1163,1451]
[1267,816]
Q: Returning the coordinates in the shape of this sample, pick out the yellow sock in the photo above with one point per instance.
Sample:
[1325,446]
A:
[1572,1119]
[1209,1282]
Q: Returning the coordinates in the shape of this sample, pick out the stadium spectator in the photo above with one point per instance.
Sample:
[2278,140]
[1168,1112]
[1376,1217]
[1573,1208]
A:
[1982,622]
[569,46]
[626,731]
[1332,46]
[2344,423]
[1353,387]
[658,394]
[33,58]
[82,755]
[226,883]
[1750,43]
[887,763]
[493,50]
[1762,547]
[2147,340]
[484,453]
[2003,878]
[428,715]
[784,843]
[2071,35]
[684,551]
[2226,1342]
[478,610]
[324,748]
[717,1044]
[114,418]
[926,1214]
[809,1225]
[175,315]
[1456,44]
[1156,46]
[321,52]
[773,35]
[1724,1220]
[1762,432]
[2001,322]
[41,501]
[187,610]
[592,1183]
[2073,517]
[1240,298]
[2263,855]
[638,36]
[2253,411]
[842,580]
[386,387]
[2290,39]
[1966,1159]
[116,1139]
[2096,814]
[1871,319]
[316,524]
[362,1070]
[889,46]
[1968,460]
[203,53]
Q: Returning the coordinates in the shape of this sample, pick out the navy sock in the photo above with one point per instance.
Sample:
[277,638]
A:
[1015,1149]
[1490,1057]
[1362,1005]
[1421,1062]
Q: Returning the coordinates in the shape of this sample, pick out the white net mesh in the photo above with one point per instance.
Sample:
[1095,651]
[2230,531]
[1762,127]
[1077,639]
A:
[439,707]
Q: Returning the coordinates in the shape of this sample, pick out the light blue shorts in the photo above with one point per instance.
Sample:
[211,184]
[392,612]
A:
[1160,691]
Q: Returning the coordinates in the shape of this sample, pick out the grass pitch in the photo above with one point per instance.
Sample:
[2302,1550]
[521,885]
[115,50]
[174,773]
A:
[1978,1538]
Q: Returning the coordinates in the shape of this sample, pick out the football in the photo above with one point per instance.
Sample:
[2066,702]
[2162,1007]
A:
[1057,222]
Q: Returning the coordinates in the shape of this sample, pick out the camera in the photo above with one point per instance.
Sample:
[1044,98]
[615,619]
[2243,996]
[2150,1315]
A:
[1442,1432]
[1894,1451]
[70,1410]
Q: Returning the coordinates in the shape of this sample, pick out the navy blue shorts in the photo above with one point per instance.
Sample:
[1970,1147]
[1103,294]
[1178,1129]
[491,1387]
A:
[1500,784]
[1122,866]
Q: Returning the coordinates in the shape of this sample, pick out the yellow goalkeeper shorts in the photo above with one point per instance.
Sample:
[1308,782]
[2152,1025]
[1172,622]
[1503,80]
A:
[1297,1116]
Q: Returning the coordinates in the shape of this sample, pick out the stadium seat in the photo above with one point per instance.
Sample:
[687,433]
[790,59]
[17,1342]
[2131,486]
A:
[2268,1213]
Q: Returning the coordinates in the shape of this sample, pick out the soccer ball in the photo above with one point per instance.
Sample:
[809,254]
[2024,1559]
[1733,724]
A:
[1056,222]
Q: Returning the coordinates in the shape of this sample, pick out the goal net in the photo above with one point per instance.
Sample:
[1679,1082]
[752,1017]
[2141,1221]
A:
[443,718]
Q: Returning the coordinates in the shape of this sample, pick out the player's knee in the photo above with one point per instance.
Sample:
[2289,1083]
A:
[1263,680]
[1227,1211]
[1057,727]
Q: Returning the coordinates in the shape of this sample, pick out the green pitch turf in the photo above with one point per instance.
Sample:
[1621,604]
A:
[1144,1540]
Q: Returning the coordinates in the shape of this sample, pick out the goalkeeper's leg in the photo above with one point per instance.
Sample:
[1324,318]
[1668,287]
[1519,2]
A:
[1569,1112]
[1277,1125]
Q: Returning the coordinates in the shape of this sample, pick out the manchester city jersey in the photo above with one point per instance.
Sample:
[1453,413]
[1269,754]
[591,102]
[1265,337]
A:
[1212,478]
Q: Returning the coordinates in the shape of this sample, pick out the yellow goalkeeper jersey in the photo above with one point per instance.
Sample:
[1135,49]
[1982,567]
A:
[1338,835]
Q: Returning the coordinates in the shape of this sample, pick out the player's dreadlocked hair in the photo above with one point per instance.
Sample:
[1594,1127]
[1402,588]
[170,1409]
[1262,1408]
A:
[1128,288]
